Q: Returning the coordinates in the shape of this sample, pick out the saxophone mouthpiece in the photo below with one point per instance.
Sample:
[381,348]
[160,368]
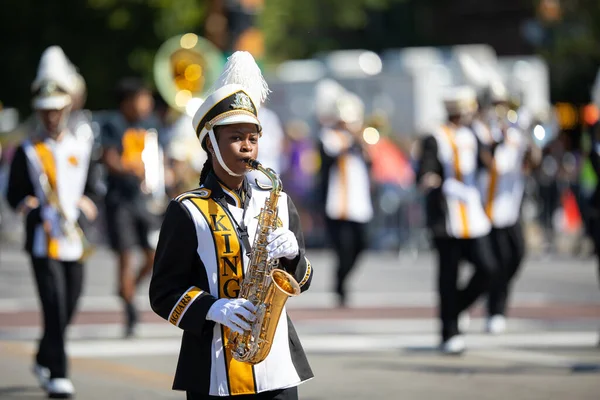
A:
[253,163]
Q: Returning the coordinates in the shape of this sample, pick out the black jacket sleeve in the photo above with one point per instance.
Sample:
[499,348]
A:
[19,181]
[299,267]
[179,286]
[429,161]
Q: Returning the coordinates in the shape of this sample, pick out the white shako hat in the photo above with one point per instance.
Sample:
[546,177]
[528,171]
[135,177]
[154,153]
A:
[55,81]
[460,100]
[235,98]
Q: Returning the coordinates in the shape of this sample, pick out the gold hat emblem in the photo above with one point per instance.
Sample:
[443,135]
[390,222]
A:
[242,102]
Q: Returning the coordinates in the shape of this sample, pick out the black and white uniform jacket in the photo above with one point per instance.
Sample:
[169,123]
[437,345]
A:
[65,162]
[345,180]
[502,185]
[200,259]
[454,209]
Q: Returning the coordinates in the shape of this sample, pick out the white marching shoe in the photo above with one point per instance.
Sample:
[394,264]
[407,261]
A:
[42,374]
[454,346]
[496,324]
[464,321]
[60,388]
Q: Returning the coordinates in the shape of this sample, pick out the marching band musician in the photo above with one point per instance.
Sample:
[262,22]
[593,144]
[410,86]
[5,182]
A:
[129,222]
[48,178]
[447,171]
[502,189]
[203,253]
[346,186]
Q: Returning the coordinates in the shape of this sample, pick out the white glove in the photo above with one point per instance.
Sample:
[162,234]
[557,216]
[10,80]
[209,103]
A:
[455,189]
[229,312]
[282,243]
[51,221]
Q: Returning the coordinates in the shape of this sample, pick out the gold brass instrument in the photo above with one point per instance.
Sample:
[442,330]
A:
[264,284]
[70,229]
[185,67]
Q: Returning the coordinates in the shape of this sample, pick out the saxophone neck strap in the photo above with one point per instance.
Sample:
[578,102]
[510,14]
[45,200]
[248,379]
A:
[240,228]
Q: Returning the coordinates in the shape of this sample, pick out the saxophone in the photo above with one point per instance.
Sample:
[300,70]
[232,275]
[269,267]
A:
[266,285]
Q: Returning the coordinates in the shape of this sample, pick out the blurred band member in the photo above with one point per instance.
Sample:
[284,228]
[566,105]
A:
[48,179]
[346,184]
[129,221]
[447,173]
[594,157]
[502,190]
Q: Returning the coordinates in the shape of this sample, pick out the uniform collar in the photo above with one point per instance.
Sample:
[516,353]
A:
[219,190]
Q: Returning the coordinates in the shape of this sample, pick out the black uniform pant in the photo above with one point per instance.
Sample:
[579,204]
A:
[454,300]
[283,394]
[508,245]
[59,286]
[595,230]
[349,240]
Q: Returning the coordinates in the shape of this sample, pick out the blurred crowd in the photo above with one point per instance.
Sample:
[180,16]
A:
[484,182]
[557,192]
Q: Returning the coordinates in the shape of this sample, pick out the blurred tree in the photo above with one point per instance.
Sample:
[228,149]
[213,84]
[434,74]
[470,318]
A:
[298,29]
[105,39]
[571,33]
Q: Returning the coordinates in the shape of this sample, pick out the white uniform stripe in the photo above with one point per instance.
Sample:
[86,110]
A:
[206,247]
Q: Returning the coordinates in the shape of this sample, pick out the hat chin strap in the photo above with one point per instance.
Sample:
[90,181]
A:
[213,140]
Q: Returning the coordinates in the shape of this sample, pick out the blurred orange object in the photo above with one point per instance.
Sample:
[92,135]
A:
[591,114]
[390,165]
[572,216]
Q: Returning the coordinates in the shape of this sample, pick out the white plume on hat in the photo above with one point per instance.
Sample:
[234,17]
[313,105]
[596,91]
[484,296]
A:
[55,66]
[327,96]
[56,81]
[235,98]
[241,69]
[351,110]
[460,100]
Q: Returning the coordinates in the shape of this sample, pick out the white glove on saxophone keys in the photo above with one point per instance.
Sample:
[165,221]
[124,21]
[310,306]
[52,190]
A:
[232,313]
[282,243]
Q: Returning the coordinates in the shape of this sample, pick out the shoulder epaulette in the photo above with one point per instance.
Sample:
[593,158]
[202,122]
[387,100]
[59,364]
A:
[202,193]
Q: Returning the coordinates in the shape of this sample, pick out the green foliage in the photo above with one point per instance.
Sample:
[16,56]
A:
[297,29]
[572,51]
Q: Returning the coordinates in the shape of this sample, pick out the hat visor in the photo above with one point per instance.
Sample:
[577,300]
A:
[51,102]
[239,119]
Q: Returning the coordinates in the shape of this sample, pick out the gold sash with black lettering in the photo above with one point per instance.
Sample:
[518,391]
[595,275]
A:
[240,376]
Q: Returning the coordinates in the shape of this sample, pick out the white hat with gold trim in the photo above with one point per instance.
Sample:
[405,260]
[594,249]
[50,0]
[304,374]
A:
[460,100]
[235,99]
[55,81]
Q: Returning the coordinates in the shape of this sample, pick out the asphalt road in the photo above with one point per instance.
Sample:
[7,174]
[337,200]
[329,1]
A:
[383,346]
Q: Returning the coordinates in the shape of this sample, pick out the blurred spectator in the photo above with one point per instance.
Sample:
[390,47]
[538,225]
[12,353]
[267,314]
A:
[129,220]
[299,171]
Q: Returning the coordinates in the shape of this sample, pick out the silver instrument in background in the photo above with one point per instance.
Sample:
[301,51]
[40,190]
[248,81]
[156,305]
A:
[70,229]
[154,173]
